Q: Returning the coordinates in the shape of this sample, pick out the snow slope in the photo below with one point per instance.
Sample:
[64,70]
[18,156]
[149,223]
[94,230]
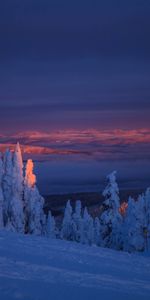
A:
[36,268]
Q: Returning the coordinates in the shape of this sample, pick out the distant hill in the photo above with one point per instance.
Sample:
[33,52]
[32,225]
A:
[92,200]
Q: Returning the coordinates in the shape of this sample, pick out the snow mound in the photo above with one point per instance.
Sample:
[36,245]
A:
[38,268]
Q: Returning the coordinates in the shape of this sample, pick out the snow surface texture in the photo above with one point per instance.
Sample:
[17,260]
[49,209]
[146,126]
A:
[37,268]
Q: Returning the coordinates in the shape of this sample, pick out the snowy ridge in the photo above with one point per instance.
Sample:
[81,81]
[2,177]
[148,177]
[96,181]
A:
[38,268]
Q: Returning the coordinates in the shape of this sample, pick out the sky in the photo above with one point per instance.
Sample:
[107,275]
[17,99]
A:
[74,65]
[74,89]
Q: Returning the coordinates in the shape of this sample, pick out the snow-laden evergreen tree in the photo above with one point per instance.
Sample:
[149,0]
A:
[18,171]
[97,232]
[68,226]
[141,212]
[111,218]
[33,202]
[77,218]
[128,224]
[1,194]
[16,214]
[147,227]
[7,184]
[134,225]
[29,184]
[50,226]
[87,230]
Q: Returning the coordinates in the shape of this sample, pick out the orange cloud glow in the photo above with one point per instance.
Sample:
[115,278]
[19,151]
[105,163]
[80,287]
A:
[101,143]
[87,136]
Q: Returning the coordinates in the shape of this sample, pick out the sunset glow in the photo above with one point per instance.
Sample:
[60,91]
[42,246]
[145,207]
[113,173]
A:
[101,144]
[82,136]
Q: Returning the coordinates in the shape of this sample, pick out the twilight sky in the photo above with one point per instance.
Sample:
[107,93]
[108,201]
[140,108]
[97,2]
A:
[74,64]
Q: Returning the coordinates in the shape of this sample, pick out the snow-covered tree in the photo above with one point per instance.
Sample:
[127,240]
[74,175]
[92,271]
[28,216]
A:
[147,213]
[87,230]
[133,225]
[128,226]
[97,232]
[29,184]
[16,214]
[30,178]
[50,226]
[1,194]
[77,218]
[67,231]
[111,218]
[123,208]
[142,225]
[33,203]
[7,184]
[18,162]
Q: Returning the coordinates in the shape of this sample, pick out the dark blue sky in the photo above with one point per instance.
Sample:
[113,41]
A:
[74,64]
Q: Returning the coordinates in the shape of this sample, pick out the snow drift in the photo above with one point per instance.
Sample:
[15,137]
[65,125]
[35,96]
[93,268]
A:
[36,268]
